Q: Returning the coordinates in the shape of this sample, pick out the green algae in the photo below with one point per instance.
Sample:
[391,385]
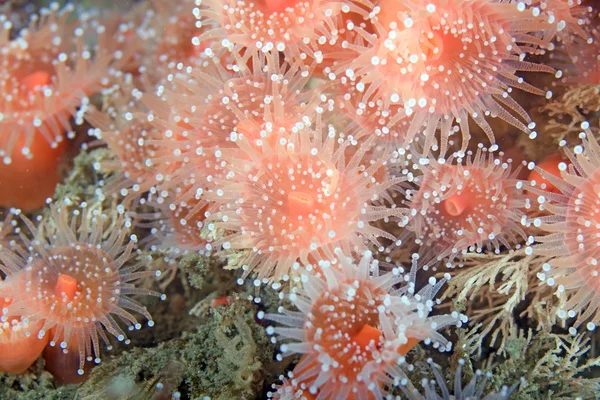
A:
[223,359]
[553,366]
[34,384]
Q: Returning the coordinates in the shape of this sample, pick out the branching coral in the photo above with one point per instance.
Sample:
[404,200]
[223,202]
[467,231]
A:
[494,288]
[539,357]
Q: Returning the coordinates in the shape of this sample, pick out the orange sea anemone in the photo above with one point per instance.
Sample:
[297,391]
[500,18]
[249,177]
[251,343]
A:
[564,20]
[549,165]
[448,62]
[291,388]
[27,182]
[73,276]
[161,32]
[372,116]
[298,201]
[20,345]
[46,75]
[468,206]
[298,29]
[130,138]
[354,329]
[47,72]
[200,121]
[573,228]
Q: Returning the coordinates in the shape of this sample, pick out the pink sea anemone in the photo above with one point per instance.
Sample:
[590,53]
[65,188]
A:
[201,120]
[354,329]
[573,228]
[47,73]
[467,205]
[565,21]
[373,117]
[130,139]
[296,28]
[74,275]
[450,61]
[297,201]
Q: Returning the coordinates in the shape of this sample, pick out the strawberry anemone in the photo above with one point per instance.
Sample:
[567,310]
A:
[19,344]
[550,165]
[353,328]
[71,280]
[448,62]
[473,204]
[129,135]
[586,66]
[298,29]
[288,390]
[179,28]
[164,31]
[47,73]
[297,201]
[174,228]
[206,113]
[388,123]
[565,21]
[573,228]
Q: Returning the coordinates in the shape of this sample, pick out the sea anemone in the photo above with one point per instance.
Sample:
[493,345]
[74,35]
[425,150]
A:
[179,26]
[129,137]
[354,329]
[587,63]
[19,344]
[290,388]
[27,182]
[207,109]
[438,390]
[471,205]
[549,165]
[388,123]
[573,226]
[565,21]
[47,74]
[6,228]
[296,28]
[297,201]
[174,228]
[72,275]
[164,31]
[450,61]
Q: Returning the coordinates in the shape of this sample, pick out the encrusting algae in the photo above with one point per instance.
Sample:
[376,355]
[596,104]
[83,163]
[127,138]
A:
[328,199]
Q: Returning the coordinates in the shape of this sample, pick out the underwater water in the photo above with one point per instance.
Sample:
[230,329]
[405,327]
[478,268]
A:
[319,199]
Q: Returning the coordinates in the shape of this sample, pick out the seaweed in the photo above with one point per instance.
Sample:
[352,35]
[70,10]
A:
[223,359]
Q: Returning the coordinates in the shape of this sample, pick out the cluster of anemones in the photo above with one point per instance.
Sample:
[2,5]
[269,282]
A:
[239,157]
[61,283]
[211,111]
[430,64]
